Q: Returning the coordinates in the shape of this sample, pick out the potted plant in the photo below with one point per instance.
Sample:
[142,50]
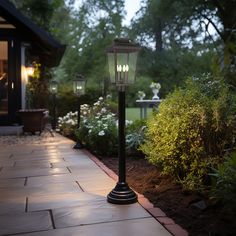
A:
[155,89]
[141,95]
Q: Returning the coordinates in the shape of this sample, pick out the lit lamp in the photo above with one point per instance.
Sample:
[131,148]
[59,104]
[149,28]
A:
[79,89]
[122,59]
[30,70]
[53,88]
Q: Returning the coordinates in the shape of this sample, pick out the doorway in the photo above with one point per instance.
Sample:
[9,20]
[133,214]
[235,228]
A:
[10,96]
[4,79]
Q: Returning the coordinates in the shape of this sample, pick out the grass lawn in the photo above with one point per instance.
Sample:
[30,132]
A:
[133,113]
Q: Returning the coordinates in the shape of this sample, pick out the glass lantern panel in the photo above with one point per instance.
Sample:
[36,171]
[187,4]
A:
[122,68]
[132,62]
[78,87]
[53,87]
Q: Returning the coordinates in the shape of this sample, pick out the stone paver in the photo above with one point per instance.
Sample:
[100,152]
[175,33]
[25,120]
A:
[142,227]
[96,213]
[25,222]
[48,188]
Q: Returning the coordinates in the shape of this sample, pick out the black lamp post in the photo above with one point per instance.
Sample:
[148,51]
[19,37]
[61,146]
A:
[122,58]
[53,87]
[79,89]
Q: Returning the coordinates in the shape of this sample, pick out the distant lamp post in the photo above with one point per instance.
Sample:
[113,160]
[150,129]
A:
[79,89]
[53,88]
[122,59]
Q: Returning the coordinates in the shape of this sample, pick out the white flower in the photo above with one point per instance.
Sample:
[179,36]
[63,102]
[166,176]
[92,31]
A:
[96,103]
[155,85]
[128,122]
[101,133]
[103,110]
[100,99]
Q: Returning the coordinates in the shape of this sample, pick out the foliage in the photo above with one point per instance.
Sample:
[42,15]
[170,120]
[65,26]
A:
[141,94]
[193,128]
[36,89]
[141,84]
[135,136]
[98,130]
[154,85]
[92,28]
[206,27]
[68,123]
[224,187]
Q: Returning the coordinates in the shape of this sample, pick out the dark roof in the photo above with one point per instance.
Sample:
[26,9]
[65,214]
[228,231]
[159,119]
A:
[46,47]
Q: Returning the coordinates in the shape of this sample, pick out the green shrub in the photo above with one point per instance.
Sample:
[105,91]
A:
[194,126]
[224,187]
[135,136]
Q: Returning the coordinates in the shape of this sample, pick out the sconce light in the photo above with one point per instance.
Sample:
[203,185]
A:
[30,70]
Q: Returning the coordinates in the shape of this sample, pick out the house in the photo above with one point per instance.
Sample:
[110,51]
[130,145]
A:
[19,38]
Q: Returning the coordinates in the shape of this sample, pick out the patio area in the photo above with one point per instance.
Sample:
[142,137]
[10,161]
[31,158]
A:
[48,188]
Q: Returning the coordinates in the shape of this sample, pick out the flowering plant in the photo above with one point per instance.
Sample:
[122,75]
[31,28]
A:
[155,85]
[98,129]
[141,94]
[68,123]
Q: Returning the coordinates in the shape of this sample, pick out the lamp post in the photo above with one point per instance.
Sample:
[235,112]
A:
[79,89]
[122,59]
[53,87]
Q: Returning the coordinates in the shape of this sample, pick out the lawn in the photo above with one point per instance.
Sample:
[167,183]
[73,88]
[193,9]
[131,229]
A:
[133,113]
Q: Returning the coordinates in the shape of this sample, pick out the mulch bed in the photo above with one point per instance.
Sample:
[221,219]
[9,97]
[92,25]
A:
[194,212]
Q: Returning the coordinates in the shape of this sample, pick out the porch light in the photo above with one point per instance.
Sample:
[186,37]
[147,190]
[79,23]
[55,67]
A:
[30,70]
[122,59]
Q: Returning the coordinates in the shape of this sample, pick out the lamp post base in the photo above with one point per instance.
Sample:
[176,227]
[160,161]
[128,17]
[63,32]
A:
[78,145]
[122,194]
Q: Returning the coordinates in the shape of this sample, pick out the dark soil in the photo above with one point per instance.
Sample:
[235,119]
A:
[194,212]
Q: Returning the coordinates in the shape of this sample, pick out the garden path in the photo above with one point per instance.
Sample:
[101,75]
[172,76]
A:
[48,188]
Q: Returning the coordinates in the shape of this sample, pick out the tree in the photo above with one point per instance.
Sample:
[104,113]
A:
[93,27]
[181,23]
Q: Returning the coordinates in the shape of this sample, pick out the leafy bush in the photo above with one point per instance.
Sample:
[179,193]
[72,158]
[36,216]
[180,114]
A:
[194,126]
[135,136]
[224,186]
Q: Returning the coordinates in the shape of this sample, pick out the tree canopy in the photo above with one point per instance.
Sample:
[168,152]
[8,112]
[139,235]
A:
[179,38]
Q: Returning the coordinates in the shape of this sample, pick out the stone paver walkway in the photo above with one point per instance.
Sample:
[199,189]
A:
[48,188]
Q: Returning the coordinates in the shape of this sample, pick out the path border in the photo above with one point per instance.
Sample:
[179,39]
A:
[156,212]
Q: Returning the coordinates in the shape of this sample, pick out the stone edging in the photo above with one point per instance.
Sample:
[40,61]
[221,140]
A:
[156,212]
